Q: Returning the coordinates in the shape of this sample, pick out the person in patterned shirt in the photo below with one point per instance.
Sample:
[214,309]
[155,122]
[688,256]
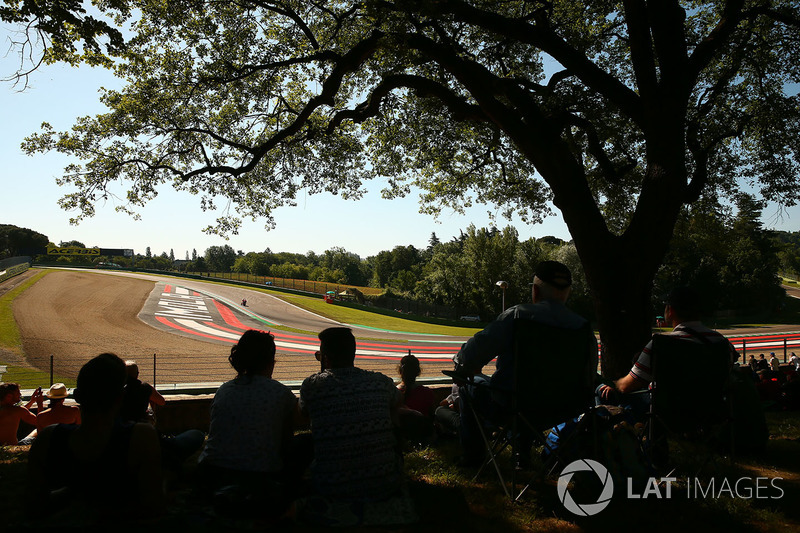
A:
[352,413]
[682,311]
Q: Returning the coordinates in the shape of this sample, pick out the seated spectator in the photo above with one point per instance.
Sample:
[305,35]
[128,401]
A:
[762,363]
[790,392]
[12,414]
[251,423]
[552,283]
[107,472]
[415,416]
[795,362]
[139,397]
[774,362]
[356,456]
[682,311]
[57,412]
[768,387]
[447,416]
[415,396]
[137,405]
[753,364]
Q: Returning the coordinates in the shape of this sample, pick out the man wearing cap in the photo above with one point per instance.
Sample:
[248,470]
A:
[57,412]
[551,287]
[682,311]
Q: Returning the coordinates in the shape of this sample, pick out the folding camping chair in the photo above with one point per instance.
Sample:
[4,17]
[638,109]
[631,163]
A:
[554,371]
[689,395]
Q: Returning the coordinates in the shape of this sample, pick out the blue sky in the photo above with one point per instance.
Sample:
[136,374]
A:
[58,94]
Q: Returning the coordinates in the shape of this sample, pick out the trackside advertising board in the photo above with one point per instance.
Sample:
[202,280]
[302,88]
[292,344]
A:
[72,250]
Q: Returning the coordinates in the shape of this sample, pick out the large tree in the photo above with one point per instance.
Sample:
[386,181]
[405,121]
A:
[619,112]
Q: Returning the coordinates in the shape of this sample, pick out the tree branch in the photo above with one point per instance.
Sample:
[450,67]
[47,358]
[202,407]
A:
[542,37]
[716,40]
[349,62]
[423,87]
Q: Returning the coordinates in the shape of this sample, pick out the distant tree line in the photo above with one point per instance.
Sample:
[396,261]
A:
[729,257]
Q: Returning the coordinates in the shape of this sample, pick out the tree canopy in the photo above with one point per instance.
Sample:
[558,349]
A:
[620,113]
[61,30]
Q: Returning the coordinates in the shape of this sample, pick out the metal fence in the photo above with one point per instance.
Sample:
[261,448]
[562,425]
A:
[171,372]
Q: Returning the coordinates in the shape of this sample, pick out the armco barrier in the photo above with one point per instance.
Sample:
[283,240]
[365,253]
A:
[13,271]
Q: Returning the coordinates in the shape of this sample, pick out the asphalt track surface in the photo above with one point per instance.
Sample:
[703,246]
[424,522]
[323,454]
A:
[188,327]
[180,331]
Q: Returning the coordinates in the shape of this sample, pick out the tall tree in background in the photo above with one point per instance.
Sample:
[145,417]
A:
[644,107]
[16,241]
[220,258]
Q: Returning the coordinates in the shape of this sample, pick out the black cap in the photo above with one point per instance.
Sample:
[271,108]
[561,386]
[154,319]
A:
[554,273]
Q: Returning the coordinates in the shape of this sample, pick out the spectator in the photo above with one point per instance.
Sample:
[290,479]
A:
[12,414]
[356,457]
[251,423]
[415,396]
[753,364]
[139,397]
[774,363]
[682,311]
[790,392]
[768,387]
[447,416]
[137,404]
[551,288]
[415,416]
[795,362]
[762,363]
[57,412]
[109,472]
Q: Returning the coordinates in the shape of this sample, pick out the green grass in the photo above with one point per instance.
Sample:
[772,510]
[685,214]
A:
[9,333]
[358,317]
[30,378]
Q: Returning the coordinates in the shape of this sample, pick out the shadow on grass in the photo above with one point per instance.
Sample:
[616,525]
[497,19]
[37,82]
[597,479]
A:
[446,498]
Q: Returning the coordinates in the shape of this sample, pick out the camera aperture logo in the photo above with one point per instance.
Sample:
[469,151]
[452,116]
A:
[758,488]
[585,509]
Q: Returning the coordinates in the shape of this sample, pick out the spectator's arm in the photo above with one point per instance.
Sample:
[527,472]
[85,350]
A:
[38,398]
[156,398]
[26,416]
[629,383]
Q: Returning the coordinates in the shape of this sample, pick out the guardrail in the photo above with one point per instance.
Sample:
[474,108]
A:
[15,270]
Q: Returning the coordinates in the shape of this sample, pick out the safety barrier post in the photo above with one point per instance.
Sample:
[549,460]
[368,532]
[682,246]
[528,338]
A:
[785,347]
[154,370]
[51,369]
[744,349]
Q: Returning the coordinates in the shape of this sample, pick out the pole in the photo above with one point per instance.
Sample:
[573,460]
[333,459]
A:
[51,370]
[154,371]
[784,350]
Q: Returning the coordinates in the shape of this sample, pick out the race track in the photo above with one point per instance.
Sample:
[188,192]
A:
[73,315]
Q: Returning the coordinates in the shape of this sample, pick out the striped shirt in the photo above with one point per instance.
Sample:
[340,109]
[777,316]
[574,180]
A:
[692,332]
